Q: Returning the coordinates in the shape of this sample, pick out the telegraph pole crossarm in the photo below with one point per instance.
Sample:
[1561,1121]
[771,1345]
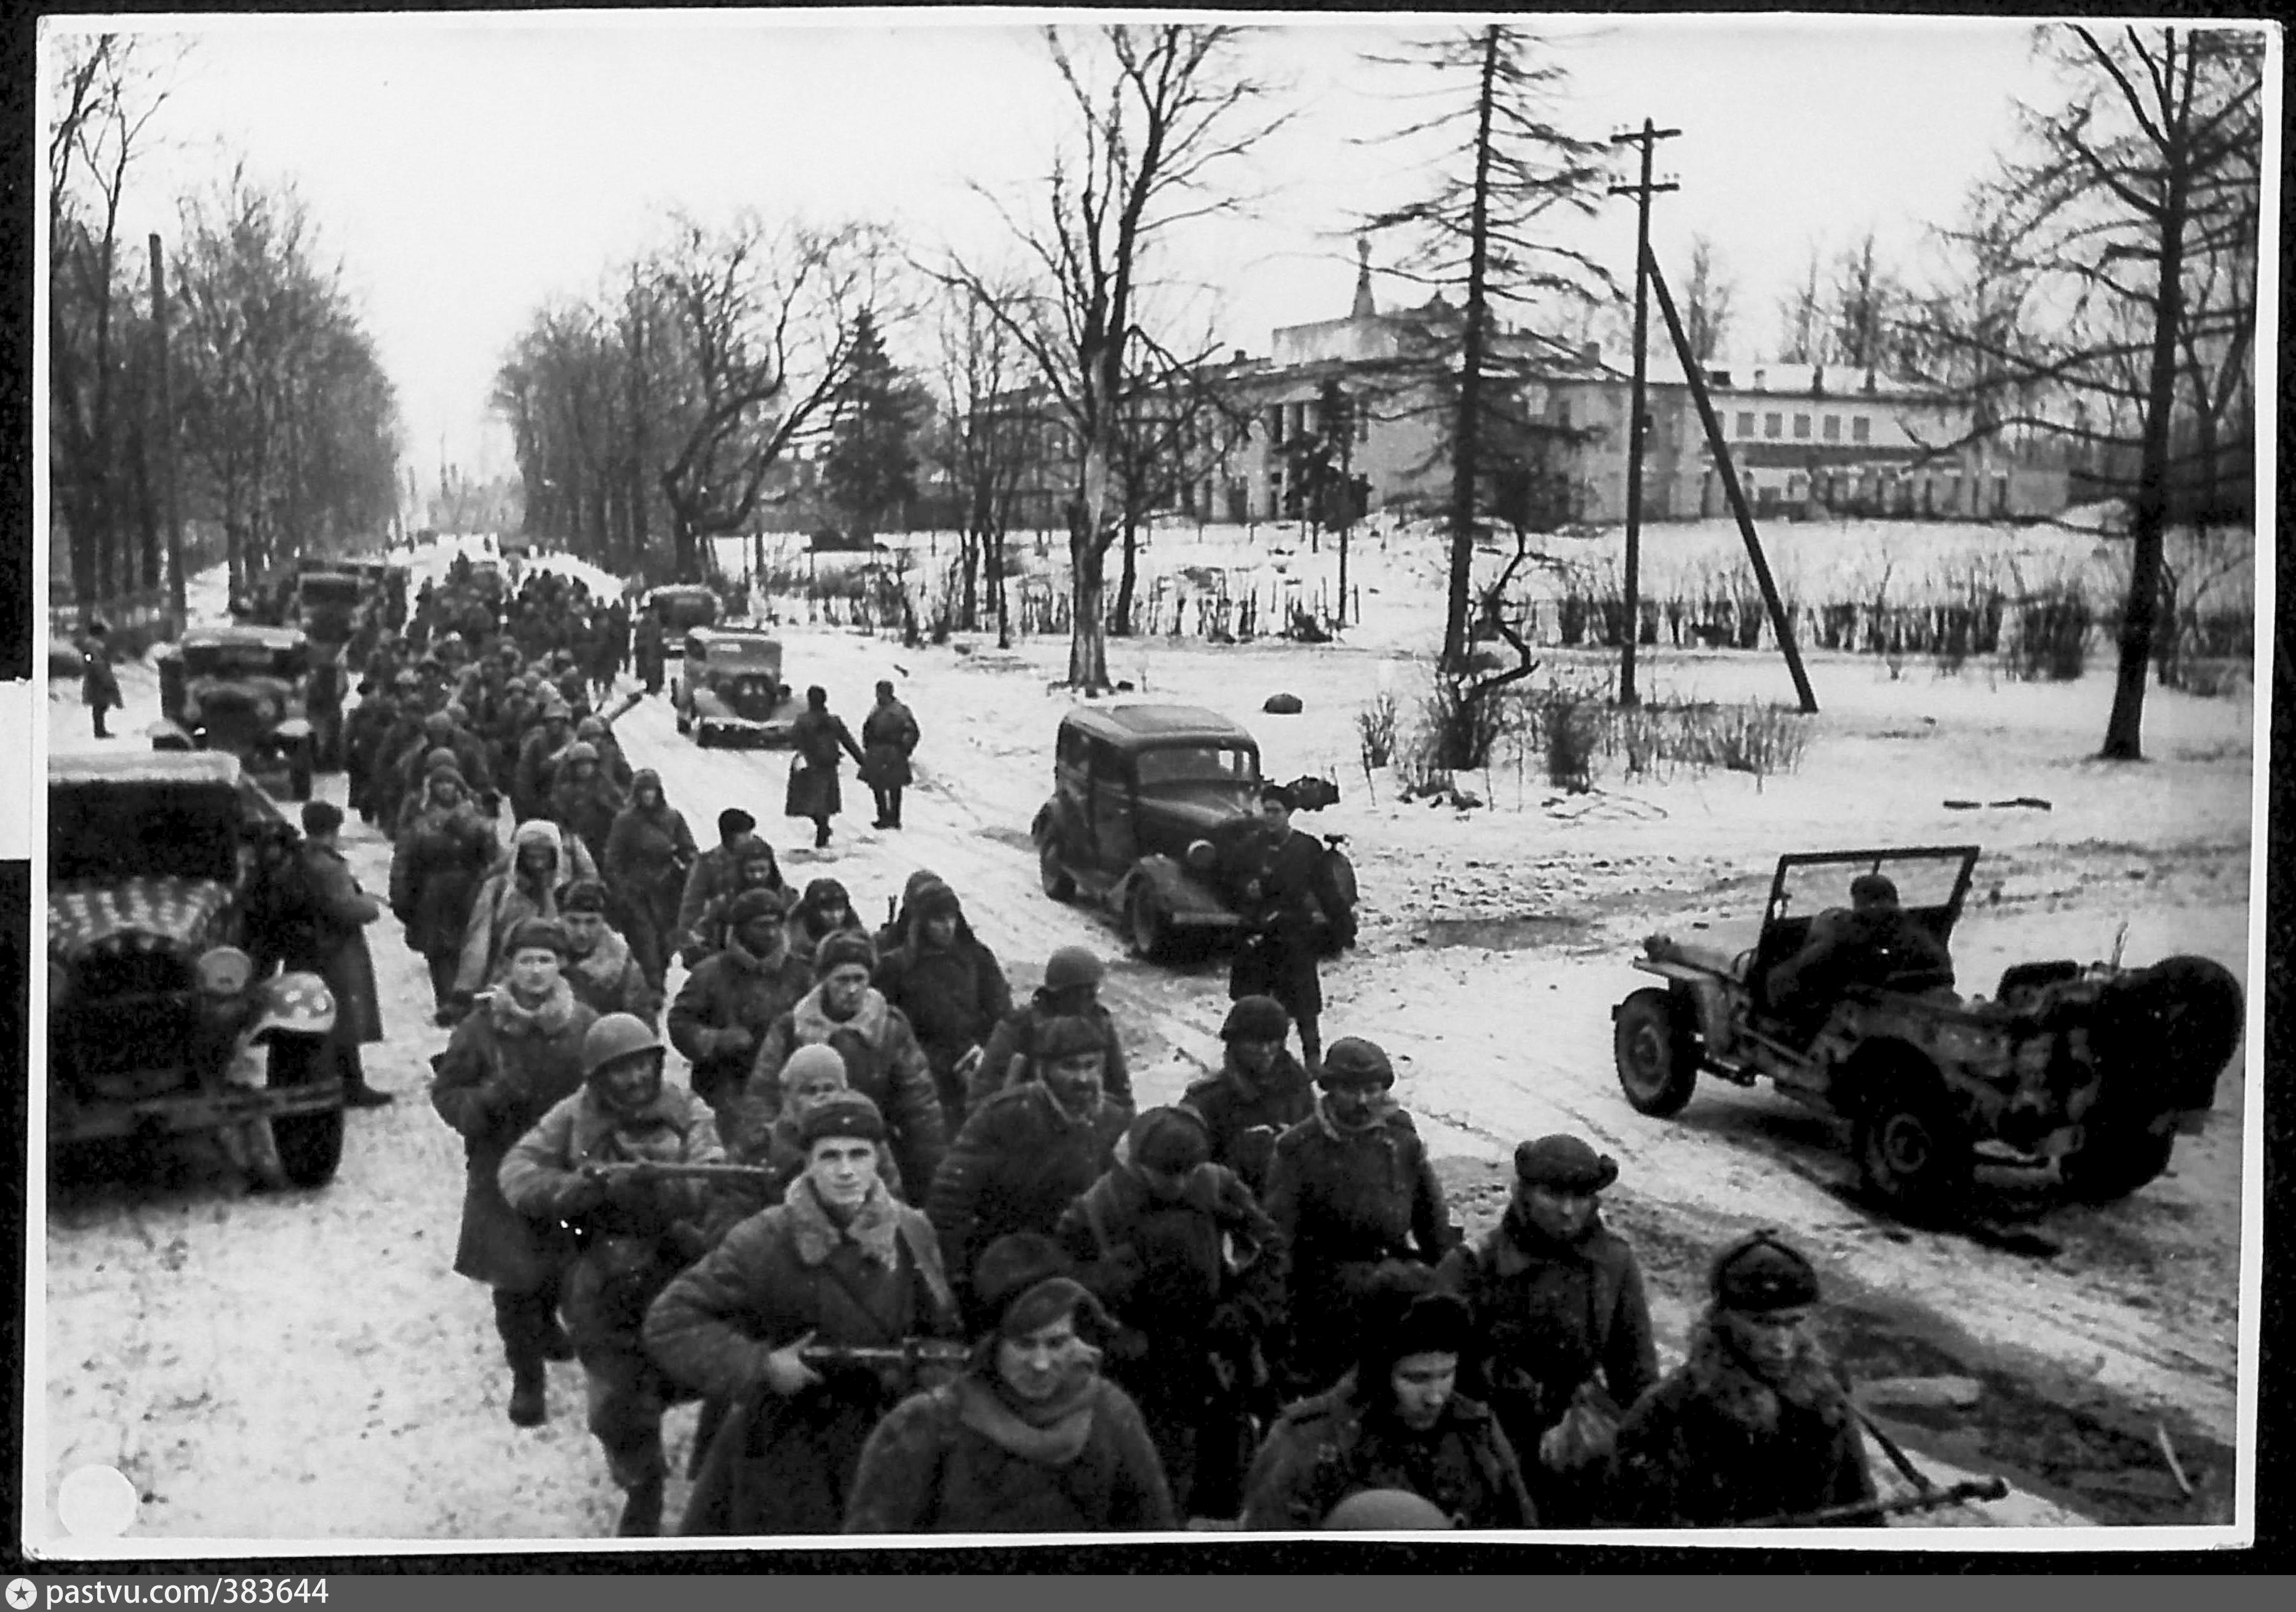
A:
[1646,138]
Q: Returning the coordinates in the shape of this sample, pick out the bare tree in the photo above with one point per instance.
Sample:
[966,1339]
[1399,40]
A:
[1867,312]
[1707,301]
[2124,226]
[984,441]
[1801,315]
[1484,229]
[1157,110]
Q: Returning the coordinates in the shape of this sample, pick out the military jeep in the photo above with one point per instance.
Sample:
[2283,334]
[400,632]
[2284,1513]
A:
[730,690]
[246,690]
[2091,1068]
[1154,813]
[159,1019]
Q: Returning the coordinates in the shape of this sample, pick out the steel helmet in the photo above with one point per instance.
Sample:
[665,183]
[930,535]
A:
[616,1036]
[1071,966]
[1386,1510]
[292,1004]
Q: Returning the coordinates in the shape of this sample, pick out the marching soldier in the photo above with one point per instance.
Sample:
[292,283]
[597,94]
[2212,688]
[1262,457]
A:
[1260,1092]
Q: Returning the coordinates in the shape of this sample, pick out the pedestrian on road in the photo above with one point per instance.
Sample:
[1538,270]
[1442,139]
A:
[99,689]
[1354,1194]
[1071,990]
[818,738]
[635,1234]
[600,965]
[732,999]
[951,988]
[517,1055]
[584,801]
[1030,1438]
[437,868]
[1260,1092]
[1395,1422]
[1282,901]
[325,933]
[825,908]
[530,882]
[756,867]
[1756,1423]
[883,1059]
[888,738]
[840,1263]
[1565,1325]
[715,872]
[812,1076]
[648,853]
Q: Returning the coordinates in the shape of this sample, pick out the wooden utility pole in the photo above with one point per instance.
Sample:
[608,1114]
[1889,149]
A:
[1647,138]
[1779,622]
[175,606]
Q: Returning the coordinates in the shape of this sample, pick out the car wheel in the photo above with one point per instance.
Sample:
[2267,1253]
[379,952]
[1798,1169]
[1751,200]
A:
[1052,876]
[2113,1161]
[1657,1050]
[310,1145]
[1913,1148]
[1151,928]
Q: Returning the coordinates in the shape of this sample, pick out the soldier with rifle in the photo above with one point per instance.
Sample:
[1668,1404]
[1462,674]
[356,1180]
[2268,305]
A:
[807,1320]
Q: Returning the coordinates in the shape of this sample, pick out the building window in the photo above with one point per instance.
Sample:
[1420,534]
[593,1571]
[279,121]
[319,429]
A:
[1861,430]
[1745,423]
[1834,428]
[1363,423]
[1774,426]
[1801,428]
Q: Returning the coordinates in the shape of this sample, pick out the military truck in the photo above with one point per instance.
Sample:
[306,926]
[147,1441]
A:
[159,1020]
[244,690]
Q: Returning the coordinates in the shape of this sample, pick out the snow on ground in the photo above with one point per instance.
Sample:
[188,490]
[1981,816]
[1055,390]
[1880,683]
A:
[308,1367]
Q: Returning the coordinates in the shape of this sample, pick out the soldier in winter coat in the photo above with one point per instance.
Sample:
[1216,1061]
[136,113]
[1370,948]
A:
[516,1057]
[648,852]
[1283,898]
[600,965]
[1757,1423]
[883,1059]
[635,1234]
[537,753]
[1260,1091]
[1071,990]
[818,737]
[754,868]
[950,987]
[613,766]
[812,1076]
[1025,1154]
[324,934]
[888,738]
[1564,1326]
[1191,1270]
[1030,1438]
[584,801]
[1353,1191]
[1394,1422]
[531,881]
[715,873]
[839,1262]
[732,999]
[437,866]
[823,911]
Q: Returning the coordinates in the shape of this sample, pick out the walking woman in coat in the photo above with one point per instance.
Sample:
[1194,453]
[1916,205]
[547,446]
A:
[516,1057]
[837,1262]
[818,737]
[436,869]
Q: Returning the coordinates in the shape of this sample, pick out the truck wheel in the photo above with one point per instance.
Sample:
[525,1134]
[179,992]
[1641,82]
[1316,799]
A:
[2113,1161]
[299,773]
[1052,876]
[310,1145]
[1151,929]
[1913,1150]
[1656,1047]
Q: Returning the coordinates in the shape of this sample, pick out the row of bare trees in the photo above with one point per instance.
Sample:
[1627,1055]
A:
[283,424]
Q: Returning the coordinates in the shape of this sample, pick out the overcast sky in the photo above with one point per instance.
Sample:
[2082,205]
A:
[463,169]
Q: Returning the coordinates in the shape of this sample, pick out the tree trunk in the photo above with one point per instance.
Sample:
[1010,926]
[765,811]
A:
[2124,730]
[1088,631]
[1466,435]
[1127,581]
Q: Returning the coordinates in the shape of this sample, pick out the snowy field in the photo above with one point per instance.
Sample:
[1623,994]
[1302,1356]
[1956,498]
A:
[307,1367]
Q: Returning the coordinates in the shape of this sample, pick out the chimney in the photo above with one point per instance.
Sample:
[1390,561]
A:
[1238,357]
[1364,308]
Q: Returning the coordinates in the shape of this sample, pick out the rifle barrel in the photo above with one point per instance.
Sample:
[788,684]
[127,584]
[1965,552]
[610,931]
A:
[1926,1500]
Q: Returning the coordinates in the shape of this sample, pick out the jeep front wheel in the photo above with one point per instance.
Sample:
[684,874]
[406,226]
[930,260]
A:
[1151,928]
[310,1146]
[1052,876]
[1913,1148]
[1657,1052]
[2113,1161]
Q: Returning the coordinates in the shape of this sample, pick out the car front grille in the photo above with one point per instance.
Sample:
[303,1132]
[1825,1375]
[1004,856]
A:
[128,1012]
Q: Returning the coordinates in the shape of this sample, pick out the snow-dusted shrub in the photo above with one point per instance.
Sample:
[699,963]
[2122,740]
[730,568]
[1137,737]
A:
[1375,725]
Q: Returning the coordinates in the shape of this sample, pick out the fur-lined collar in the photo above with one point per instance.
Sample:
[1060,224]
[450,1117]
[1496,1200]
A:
[1051,1435]
[1515,1246]
[606,960]
[870,1021]
[1722,1382]
[873,1228]
[555,1013]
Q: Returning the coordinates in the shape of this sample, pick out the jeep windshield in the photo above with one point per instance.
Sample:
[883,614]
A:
[1191,767]
[238,661]
[110,832]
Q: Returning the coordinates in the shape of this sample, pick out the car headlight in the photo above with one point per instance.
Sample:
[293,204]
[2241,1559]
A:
[224,971]
[1202,857]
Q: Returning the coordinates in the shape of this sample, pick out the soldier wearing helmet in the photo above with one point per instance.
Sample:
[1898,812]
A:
[1757,1422]
[583,1167]
[584,801]
[529,789]
[1260,1092]
[1071,990]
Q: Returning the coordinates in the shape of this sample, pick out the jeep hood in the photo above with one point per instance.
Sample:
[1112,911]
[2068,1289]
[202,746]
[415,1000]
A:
[172,911]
